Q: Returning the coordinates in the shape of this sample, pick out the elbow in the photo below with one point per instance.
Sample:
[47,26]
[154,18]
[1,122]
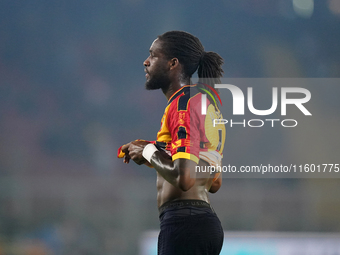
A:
[214,189]
[184,187]
[215,186]
[186,184]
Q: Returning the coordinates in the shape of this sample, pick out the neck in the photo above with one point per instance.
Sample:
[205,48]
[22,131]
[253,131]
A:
[174,86]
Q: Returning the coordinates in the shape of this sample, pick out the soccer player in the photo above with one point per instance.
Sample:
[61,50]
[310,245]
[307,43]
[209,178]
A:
[186,141]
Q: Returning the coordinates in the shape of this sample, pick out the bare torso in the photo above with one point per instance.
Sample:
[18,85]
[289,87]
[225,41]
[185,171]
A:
[167,192]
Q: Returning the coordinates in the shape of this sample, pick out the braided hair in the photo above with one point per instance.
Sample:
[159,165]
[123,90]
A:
[190,52]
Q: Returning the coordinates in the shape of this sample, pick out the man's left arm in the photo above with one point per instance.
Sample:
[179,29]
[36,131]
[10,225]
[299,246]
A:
[216,185]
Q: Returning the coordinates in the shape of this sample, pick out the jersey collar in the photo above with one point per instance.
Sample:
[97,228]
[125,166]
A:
[182,90]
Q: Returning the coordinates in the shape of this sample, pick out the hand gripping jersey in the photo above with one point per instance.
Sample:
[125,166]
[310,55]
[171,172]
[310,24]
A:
[186,133]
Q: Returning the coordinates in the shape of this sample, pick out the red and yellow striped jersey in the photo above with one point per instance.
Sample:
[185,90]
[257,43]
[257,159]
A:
[185,132]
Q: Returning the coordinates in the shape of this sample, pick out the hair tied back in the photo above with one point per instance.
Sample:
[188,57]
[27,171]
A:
[202,56]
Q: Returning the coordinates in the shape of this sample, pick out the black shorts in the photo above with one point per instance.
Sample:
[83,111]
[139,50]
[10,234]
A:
[189,227]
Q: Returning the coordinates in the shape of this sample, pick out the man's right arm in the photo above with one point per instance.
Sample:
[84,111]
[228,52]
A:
[180,172]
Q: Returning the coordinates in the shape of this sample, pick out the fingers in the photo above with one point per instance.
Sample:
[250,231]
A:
[127,159]
[125,148]
[133,151]
[139,160]
[130,154]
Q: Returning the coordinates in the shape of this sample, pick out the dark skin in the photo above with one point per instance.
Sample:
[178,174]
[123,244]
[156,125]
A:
[176,180]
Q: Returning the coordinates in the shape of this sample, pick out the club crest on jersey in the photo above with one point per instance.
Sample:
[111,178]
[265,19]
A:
[181,118]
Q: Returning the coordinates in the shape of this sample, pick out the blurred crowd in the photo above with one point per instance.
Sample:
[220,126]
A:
[72,92]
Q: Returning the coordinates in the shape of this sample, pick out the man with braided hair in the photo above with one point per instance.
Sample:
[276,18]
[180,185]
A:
[185,141]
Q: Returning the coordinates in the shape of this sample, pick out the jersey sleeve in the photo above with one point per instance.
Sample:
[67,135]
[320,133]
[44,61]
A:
[186,128]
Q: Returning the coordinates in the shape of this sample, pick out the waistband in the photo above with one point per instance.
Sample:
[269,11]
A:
[184,203]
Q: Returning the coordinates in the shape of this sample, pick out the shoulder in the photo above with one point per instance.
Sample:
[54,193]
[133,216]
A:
[188,98]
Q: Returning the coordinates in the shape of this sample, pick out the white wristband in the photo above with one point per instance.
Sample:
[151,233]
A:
[148,151]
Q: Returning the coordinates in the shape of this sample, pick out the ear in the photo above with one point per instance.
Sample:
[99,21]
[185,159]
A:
[174,63]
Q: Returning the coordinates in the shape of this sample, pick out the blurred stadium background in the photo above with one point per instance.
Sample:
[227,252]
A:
[72,91]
